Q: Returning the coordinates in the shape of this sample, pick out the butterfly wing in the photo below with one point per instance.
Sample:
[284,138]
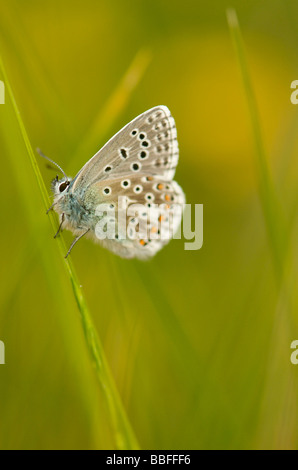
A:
[146,145]
[152,208]
[137,164]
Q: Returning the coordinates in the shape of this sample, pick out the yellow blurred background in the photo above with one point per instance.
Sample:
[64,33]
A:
[198,342]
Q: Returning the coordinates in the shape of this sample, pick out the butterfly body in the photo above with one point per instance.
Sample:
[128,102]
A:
[77,208]
[134,173]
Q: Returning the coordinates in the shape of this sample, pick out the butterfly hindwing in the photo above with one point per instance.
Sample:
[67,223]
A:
[152,209]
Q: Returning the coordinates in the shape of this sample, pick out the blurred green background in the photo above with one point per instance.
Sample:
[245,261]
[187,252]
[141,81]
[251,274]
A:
[198,342]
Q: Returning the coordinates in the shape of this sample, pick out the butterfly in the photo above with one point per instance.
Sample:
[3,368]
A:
[132,174]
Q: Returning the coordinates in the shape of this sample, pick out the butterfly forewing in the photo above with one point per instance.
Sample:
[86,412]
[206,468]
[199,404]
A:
[147,145]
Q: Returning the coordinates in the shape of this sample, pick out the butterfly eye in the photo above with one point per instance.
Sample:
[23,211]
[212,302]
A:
[63,186]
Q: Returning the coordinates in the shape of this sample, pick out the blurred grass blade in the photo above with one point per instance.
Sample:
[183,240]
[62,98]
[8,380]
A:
[274,220]
[123,434]
[103,122]
[12,33]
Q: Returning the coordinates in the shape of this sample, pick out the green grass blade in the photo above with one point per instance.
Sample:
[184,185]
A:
[275,223]
[123,434]
[12,33]
[275,409]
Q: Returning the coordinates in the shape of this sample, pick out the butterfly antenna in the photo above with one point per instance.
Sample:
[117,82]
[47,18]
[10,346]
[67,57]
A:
[52,161]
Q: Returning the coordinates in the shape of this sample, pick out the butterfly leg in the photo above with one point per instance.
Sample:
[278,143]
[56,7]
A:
[50,208]
[60,226]
[75,241]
